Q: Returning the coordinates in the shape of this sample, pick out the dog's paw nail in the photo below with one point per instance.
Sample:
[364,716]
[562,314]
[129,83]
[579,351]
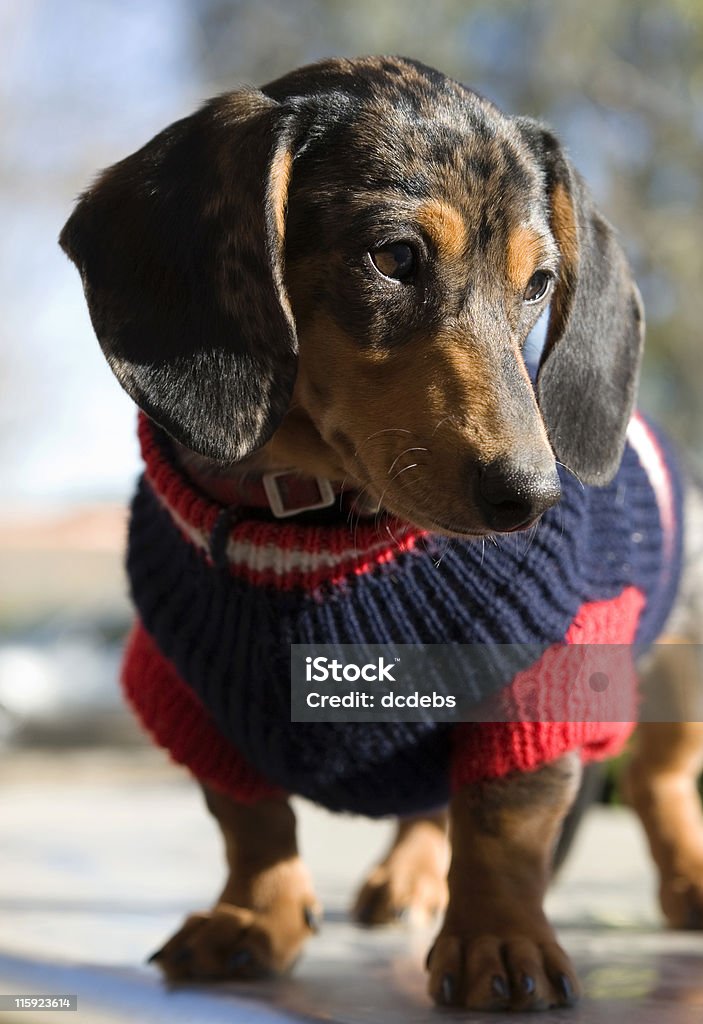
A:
[448,989]
[155,956]
[566,989]
[312,919]
[239,959]
[528,984]
[428,958]
[402,914]
[499,987]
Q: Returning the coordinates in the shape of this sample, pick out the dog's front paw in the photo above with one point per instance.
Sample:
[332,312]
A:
[492,972]
[233,943]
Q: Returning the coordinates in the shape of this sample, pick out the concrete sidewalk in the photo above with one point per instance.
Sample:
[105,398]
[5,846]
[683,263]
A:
[103,854]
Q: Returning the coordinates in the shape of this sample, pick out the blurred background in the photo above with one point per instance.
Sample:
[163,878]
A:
[83,83]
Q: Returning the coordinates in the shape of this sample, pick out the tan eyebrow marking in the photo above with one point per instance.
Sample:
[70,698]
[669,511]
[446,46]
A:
[564,226]
[446,227]
[279,179]
[563,223]
[526,247]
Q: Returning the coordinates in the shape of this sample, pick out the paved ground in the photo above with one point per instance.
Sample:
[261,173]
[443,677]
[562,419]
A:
[102,855]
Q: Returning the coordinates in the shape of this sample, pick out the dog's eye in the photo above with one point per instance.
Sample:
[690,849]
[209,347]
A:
[538,286]
[396,261]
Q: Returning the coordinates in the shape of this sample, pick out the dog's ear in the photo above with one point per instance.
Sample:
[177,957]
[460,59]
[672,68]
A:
[588,375]
[180,247]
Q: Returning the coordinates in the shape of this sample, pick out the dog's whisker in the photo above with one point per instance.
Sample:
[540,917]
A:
[445,419]
[573,473]
[355,514]
[447,543]
[389,531]
[531,534]
[378,433]
[416,449]
[413,465]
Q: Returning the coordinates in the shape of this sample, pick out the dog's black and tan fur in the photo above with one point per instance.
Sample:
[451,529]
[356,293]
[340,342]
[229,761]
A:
[370,227]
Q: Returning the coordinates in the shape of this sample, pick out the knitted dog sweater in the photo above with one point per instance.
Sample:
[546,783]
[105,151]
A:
[223,592]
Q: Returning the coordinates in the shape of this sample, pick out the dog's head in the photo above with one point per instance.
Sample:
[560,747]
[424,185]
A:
[342,269]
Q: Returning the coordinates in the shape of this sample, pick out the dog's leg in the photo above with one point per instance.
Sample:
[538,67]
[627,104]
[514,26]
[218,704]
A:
[267,909]
[496,950]
[661,781]
[411,880]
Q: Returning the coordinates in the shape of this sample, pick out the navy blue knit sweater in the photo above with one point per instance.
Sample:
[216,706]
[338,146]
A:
[223,593]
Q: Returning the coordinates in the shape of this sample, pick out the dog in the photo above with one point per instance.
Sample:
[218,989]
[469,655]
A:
[318,295]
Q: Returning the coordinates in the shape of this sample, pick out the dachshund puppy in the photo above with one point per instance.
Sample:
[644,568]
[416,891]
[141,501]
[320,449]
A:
[318,295]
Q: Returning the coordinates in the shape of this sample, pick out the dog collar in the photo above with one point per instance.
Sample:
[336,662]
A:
[284,493]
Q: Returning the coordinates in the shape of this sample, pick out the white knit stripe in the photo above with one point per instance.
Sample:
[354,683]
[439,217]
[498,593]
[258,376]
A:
[268,558]
[652,461]
[197,537]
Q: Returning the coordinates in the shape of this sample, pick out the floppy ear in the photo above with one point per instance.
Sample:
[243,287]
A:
[587,379]
[180,247]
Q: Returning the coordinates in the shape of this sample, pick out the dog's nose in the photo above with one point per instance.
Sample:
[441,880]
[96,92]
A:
[513,495]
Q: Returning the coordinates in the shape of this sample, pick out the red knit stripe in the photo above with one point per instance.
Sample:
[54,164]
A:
[174,489]
[494,749]
[176,719]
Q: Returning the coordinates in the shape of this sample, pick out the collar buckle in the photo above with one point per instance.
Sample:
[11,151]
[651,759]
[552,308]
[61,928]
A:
[289,494]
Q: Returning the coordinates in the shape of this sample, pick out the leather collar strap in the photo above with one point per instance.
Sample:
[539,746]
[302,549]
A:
[286,493]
